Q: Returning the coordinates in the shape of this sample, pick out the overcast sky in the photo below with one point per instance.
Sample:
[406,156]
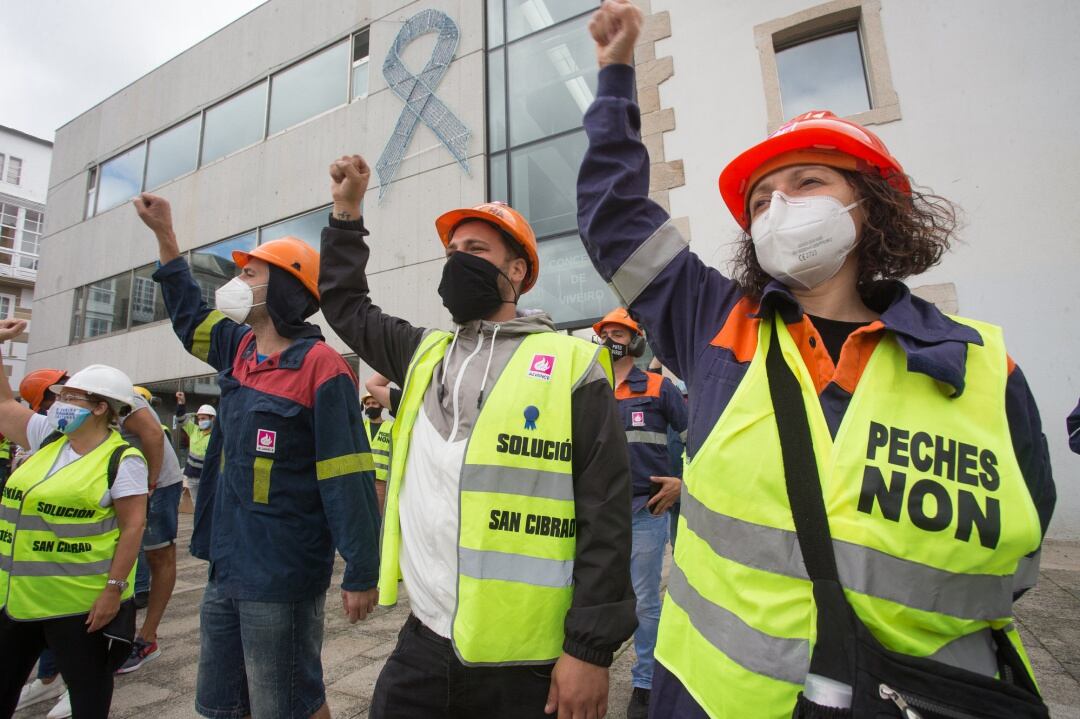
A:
[59,58]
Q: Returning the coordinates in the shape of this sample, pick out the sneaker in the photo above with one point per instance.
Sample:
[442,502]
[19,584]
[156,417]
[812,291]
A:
[638,708]
[142,651]
[62,710]
[142,599]
[38,691]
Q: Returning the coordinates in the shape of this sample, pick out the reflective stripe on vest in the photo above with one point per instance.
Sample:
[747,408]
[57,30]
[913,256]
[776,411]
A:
[929,513]
[56,540]
[517,533]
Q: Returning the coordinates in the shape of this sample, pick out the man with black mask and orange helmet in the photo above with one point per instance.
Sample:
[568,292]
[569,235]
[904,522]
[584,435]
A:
[508,495]
[286,478]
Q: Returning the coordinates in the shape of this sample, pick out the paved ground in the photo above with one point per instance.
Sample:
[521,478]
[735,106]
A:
[1049,619]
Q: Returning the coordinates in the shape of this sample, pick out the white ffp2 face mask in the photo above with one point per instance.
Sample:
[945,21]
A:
[235,298]
[803,241]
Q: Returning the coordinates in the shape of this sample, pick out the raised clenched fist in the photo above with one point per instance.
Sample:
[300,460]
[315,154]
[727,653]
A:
[349,178]
[615,28]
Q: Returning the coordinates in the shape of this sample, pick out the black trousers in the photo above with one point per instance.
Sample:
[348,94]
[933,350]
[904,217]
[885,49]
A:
[424,679]
[83,659]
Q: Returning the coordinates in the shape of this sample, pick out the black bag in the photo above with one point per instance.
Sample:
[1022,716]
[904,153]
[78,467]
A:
[885,684]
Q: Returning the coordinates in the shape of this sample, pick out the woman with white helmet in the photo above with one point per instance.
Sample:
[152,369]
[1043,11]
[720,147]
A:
[198,434]
[71,519]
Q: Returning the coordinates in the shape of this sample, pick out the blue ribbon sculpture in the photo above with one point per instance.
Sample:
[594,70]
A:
[418,94]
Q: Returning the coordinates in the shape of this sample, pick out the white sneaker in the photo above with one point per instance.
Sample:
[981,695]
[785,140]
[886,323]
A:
[38,691]
[62,710]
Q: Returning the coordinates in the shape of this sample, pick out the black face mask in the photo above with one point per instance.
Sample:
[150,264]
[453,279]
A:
[470,287]
[618,351]
[373,412]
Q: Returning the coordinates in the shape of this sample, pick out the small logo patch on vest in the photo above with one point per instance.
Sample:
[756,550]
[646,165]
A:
[541,366]
[637,419]
[531,415]
[266,441]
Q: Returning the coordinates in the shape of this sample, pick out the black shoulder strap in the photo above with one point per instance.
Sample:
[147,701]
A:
[50,438]
[114,462]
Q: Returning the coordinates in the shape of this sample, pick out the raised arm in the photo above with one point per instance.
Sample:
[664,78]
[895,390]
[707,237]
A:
[383,341]
[13,416]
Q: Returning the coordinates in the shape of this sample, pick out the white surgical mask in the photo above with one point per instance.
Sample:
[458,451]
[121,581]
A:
[235,299]
[205,424]
[803,241]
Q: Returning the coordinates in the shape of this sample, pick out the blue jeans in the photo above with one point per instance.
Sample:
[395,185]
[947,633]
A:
[650,535]
[142,574]
[259,658]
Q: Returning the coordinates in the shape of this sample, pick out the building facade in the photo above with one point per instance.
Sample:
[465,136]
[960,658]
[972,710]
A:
[237,133]
[24,183]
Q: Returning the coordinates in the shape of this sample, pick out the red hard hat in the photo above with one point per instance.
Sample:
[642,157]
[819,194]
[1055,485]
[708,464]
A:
[618,316]
[811,138]
[36,383]
[293,255]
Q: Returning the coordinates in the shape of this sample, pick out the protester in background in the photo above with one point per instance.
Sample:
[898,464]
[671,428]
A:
[378,433]
[382,390]
[894,391]
[76,603]
[507,502]
[198,431]
[650,406]
[142,429]
[296,481]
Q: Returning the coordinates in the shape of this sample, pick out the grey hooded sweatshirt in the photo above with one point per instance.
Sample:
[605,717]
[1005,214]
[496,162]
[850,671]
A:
[601,616]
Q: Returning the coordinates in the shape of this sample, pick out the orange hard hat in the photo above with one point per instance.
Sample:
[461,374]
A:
[815,137]
[618,316]
[507,219]
[36,383]
[291,254]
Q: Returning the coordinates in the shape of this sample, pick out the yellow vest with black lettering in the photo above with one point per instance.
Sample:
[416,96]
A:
[56,540]
[5,450]
[516,536]
[929,513]
[380,447]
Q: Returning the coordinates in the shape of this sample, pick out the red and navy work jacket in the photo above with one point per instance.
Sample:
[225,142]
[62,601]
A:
[649,404]
[287,476]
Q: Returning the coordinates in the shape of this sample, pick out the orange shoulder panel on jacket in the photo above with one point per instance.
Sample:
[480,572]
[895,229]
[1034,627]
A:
[740,333]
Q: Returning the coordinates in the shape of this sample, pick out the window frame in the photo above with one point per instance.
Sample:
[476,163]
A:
[18,171]
[821,21]
[354,64]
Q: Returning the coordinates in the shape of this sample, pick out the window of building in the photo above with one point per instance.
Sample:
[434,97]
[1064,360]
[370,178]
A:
[829,57]
[91,192]
[9,229]
[308,227]
[121,178]
[360,64]
[147,304]
[1,164]
[106,308]
[234,124]
[173,153]
[13,174]
[30,241]
[540,82]
[7,304]
[213,265]
[309,88]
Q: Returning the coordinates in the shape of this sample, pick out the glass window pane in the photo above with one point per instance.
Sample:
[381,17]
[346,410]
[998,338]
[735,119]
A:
[360,45]
[496,79]
[494,23]
[77,318]
[315,85]
[91,192]
[307,227]
[526,16]
[147,304]
[823,74]
[121,178]
[497,181]
[14,170]
[234,124]
[107,305]
[544,183]
[568,287]
[552,81]
[212,266]
[360,79]
[172,153]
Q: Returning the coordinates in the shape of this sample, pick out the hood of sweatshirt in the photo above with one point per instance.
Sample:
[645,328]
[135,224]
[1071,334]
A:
[473,362]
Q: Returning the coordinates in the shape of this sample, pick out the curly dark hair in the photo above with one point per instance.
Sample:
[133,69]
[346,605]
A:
[902,235]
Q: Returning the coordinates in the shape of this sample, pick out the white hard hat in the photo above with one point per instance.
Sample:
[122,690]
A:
[207,409]
[103,381]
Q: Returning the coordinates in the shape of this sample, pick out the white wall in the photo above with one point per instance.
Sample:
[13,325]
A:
[988,100]
[34,182]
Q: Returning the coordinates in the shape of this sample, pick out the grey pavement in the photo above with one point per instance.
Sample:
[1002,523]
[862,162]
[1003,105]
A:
[353,655]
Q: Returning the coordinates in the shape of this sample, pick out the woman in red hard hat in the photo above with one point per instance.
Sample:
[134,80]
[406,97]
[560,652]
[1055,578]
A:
[932,463]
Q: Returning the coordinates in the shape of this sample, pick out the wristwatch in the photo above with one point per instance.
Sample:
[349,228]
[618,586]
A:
[118,583]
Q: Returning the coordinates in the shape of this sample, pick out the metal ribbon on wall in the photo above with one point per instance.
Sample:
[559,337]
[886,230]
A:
[418,94]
